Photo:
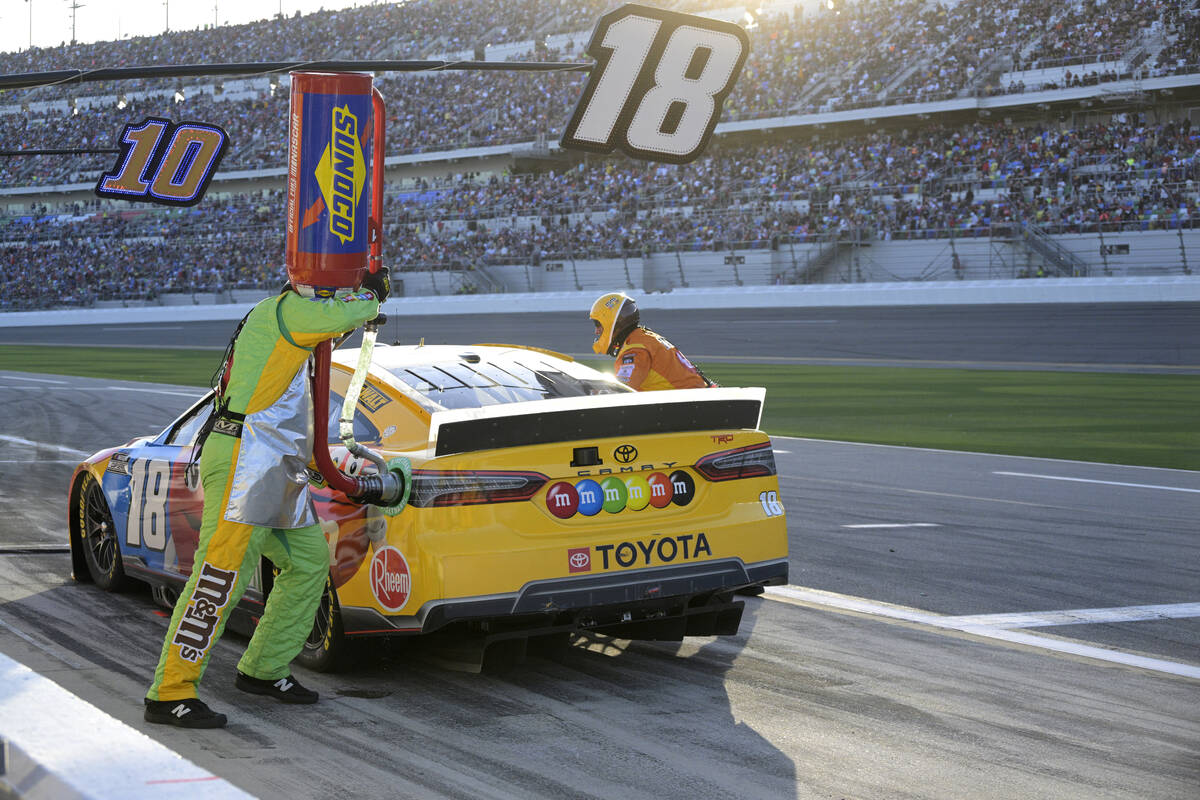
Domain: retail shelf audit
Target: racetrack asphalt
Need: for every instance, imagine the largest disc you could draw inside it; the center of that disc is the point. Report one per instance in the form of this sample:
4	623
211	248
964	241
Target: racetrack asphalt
837	694
1130	337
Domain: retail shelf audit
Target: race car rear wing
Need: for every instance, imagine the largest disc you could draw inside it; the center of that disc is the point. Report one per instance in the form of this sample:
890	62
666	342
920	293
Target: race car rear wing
600	416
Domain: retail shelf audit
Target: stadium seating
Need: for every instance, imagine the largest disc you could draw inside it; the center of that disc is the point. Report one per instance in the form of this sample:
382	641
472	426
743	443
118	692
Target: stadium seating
772	187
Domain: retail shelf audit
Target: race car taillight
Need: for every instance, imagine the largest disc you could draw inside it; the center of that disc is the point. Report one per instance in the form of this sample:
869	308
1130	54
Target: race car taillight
754	461
472	487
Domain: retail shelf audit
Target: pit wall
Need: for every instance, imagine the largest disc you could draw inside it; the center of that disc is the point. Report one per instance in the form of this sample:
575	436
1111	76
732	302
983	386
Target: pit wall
1152	289
859	264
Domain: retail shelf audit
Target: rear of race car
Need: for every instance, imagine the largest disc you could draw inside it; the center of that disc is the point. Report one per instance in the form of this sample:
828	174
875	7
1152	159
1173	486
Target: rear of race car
636	515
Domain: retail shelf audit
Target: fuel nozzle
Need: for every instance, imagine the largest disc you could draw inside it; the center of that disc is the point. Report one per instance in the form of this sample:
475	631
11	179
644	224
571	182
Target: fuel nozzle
382	489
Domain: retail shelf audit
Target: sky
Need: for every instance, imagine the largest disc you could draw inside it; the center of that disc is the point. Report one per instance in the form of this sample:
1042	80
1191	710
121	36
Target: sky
98	20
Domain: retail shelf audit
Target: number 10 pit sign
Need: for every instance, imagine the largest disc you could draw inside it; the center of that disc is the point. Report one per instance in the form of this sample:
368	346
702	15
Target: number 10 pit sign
164	163
660	80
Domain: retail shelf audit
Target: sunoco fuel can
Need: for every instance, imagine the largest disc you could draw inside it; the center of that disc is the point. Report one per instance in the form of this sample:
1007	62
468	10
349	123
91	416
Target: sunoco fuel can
328	203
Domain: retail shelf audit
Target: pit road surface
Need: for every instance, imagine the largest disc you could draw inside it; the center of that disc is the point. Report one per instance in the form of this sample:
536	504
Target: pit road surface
807	701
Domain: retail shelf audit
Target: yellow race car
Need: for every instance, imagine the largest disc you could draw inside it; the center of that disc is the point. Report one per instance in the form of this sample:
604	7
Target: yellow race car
546	499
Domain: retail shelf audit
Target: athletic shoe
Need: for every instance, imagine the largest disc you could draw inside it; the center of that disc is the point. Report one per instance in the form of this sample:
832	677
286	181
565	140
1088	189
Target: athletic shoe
285	690
189	713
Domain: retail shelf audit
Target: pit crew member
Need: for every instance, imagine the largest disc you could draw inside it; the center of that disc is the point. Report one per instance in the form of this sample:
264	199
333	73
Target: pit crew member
645	360
254	469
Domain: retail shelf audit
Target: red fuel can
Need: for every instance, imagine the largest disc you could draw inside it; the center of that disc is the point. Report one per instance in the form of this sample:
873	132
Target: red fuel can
334	158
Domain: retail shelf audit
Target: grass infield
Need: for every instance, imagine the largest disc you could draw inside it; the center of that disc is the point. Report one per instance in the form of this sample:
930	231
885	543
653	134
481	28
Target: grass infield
1120	418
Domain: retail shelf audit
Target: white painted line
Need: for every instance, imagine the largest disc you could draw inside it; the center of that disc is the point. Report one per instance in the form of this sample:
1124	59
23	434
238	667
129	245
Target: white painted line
941	451
39	716
1080	616
41	547
196	394
35	380
43	445
859	605
156	328
774	450
895	525
1106	483
40	461
1082	650
849	603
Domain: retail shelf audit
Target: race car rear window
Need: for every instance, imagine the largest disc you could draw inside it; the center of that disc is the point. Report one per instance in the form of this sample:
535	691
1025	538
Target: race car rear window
458	384
365	431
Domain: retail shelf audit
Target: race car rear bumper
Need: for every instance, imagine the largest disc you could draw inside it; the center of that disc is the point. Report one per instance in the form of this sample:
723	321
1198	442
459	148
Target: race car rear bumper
590	601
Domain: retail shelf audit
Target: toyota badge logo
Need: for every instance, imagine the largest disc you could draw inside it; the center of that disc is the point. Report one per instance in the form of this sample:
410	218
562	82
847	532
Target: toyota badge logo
579	559
626	453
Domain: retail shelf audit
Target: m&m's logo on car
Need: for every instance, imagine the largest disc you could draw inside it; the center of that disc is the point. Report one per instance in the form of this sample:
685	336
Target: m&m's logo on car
614	494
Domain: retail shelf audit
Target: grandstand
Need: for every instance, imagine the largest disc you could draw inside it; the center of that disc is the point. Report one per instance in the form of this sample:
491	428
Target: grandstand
867	140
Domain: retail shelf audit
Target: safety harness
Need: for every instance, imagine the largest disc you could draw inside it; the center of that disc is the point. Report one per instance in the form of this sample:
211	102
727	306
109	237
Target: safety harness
222	420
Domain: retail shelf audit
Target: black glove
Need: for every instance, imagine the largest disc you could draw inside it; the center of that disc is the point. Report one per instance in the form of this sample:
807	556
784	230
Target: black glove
379	283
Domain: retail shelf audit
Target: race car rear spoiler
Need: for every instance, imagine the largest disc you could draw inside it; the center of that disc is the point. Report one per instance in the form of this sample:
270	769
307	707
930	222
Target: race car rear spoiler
599	416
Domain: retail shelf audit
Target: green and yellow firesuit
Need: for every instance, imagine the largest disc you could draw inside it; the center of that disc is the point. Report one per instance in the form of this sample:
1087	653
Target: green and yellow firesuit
254	472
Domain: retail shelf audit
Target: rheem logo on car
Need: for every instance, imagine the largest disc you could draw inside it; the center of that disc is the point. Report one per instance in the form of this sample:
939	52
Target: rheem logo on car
391	581
614	494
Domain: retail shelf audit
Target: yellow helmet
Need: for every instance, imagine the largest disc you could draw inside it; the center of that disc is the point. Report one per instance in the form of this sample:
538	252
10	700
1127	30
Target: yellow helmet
614	316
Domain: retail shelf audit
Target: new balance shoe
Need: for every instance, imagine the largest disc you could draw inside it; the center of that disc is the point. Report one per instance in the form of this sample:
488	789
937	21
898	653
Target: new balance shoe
285	690
190	713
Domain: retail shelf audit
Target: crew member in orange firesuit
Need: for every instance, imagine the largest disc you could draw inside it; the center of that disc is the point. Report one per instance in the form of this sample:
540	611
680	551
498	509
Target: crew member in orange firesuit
645	360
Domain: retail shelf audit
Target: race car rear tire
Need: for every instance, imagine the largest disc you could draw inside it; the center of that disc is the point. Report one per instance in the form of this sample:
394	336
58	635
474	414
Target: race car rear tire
98	537
326	649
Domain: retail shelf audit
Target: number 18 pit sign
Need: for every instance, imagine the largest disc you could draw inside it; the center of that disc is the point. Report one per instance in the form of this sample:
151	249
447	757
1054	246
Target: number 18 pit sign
659	82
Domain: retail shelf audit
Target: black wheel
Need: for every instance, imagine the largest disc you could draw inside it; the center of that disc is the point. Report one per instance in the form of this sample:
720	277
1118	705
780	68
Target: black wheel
98	538
326	648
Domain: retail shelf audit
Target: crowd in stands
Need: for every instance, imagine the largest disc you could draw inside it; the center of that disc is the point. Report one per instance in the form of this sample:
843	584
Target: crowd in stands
861	53
80	253
936	181
1184	52
1102	27
382	30
437	111
978	179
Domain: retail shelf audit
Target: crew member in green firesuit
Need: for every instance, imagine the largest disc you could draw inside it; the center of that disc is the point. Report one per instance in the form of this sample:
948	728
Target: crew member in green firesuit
253	468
